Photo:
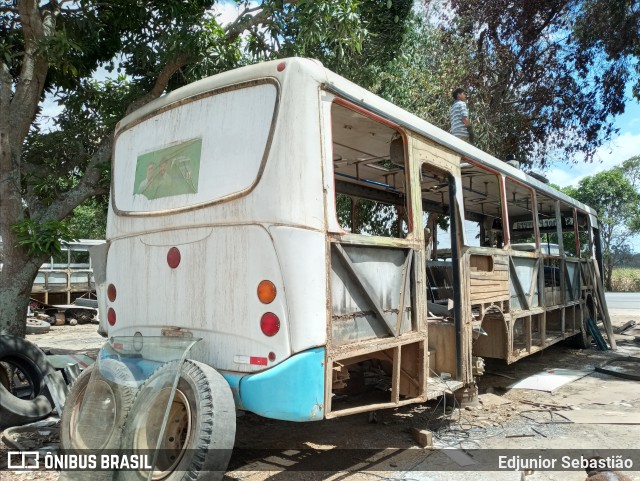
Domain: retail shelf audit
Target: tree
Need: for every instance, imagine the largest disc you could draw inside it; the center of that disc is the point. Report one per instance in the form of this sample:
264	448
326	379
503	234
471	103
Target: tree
631	170
618	205
53	48
546	77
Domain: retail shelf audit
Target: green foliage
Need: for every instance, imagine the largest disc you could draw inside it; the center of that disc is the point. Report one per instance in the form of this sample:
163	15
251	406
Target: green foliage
631	170
428	66
42	238
545	78
613	196
56	159
371	217
89	219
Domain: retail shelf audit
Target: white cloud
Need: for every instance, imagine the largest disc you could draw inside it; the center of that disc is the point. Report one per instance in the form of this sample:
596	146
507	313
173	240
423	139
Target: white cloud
227	12
617	151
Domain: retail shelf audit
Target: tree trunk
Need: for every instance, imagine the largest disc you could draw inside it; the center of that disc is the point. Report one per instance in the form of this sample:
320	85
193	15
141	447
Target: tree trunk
608	275
16	280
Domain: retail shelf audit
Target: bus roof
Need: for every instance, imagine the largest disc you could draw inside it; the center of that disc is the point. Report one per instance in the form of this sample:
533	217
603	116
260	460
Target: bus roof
348	90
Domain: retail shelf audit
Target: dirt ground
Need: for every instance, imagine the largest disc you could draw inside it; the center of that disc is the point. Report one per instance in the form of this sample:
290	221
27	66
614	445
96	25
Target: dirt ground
374	447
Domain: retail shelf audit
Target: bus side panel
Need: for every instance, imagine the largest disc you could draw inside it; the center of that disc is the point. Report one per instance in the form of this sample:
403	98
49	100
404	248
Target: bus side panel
302	257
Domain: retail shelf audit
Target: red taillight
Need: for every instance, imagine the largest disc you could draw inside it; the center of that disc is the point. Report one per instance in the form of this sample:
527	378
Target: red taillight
111	316
272	356
270	324
281	66
111	292
173	257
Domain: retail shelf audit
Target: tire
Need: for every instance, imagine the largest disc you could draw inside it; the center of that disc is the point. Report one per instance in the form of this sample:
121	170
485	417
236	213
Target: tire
200	433
6	376
23	403
36	326
83	316
113	392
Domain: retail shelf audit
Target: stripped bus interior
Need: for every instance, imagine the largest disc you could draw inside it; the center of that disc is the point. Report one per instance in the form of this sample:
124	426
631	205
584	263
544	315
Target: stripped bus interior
519	278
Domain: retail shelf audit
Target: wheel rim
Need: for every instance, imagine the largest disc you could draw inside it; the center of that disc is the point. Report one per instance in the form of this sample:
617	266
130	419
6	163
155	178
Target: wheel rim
175	436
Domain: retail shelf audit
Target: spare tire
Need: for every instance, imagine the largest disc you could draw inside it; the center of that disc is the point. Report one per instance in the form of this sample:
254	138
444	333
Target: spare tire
23	402
37	326
97	424
200	432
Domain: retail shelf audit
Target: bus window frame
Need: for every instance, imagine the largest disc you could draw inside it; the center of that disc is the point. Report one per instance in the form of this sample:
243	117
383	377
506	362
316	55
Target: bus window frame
179	103
407	174
588	228
506	233
534	210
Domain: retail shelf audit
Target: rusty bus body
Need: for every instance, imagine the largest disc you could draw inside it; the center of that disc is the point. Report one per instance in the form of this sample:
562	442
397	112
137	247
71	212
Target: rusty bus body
337	205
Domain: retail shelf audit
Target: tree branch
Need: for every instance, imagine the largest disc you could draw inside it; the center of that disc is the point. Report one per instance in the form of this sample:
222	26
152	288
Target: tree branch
246	21
161	82
30	83
88	186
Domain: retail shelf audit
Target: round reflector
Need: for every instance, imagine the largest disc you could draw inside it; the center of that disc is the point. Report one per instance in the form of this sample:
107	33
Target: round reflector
111	292
111	316
281	66
266	292
270	324
173	257
272	356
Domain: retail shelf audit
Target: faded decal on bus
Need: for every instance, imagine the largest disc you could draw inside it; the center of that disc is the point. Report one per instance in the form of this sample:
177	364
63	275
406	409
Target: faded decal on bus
170	171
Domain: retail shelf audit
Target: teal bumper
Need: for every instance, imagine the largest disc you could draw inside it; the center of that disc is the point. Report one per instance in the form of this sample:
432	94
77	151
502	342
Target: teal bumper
292	391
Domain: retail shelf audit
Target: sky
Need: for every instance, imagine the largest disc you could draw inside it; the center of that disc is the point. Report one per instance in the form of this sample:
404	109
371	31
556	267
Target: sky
623	146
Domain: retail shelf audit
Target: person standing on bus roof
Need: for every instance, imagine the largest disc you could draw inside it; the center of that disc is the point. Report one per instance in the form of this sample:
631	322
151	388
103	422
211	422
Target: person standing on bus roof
459	116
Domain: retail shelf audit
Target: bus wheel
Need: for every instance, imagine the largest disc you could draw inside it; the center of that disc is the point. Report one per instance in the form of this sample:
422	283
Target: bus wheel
112	395
200	431
24	368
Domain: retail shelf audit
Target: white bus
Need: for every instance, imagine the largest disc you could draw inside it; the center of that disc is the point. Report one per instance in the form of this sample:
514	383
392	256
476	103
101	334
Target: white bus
277	223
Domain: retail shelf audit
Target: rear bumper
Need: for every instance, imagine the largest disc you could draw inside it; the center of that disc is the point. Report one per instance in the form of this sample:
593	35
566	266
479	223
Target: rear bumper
292	391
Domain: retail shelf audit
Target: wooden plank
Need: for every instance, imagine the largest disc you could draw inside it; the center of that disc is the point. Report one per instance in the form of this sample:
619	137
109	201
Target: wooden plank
404	288
479	279
493	291
489	283
344	351
490	295
484	274
603	302
364	286
395	377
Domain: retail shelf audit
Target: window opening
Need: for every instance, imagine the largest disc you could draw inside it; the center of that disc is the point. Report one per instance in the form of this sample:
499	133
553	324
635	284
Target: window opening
370	175
520	209
482	207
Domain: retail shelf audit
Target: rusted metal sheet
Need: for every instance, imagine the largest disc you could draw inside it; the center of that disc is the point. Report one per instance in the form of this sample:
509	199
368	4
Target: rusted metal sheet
367	286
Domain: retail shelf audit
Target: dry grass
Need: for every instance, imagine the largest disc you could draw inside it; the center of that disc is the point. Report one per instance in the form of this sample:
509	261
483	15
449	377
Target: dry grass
626	279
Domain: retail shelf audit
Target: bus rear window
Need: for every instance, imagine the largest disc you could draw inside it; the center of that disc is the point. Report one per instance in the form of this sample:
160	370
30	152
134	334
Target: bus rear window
196	152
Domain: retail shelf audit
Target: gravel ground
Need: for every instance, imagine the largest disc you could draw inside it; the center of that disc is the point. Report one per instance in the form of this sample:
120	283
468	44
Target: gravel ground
509	418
